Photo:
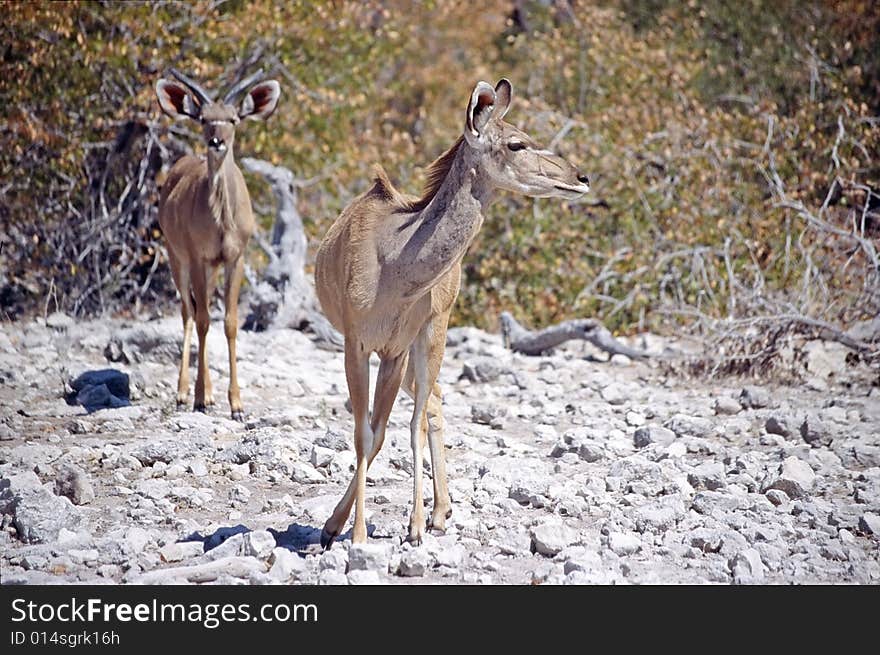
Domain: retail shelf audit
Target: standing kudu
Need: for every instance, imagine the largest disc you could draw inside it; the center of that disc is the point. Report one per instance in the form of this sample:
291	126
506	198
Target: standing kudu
388	273
206	217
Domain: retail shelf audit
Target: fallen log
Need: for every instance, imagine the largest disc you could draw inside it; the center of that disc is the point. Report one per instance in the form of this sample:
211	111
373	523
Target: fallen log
528	342
236	566
285	297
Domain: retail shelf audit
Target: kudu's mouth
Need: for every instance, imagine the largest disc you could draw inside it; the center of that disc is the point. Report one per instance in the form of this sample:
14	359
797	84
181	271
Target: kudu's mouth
216	145
575	191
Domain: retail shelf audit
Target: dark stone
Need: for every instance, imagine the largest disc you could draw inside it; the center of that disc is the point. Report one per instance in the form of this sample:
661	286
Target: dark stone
99	397
116	381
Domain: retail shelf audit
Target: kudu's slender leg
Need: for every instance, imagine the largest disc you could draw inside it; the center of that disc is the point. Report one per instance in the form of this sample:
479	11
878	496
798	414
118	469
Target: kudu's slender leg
442	503
202	286
419	360
387	386
432	424
187	310
357	374
233	275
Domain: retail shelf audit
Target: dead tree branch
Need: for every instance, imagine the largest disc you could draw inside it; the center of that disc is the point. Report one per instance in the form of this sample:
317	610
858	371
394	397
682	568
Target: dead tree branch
527	342
286	297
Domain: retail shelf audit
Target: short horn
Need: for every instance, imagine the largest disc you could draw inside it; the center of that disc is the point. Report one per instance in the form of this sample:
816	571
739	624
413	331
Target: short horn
241	86
204	97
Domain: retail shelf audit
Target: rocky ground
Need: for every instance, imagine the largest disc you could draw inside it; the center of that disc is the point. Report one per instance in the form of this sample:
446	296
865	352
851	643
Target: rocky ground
562	469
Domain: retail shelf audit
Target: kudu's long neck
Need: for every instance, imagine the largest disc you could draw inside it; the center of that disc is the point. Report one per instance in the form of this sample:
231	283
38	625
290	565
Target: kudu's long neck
220	183
443	231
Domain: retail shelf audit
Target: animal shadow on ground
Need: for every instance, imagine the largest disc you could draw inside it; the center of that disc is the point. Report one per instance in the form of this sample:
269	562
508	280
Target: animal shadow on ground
300	539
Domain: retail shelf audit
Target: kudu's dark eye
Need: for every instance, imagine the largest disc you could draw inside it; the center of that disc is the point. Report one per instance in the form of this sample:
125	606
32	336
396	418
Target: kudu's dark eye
516	145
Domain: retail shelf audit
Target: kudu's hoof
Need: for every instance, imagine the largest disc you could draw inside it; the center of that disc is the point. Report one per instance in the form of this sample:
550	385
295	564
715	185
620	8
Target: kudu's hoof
327	539
238	415
200	407
181	405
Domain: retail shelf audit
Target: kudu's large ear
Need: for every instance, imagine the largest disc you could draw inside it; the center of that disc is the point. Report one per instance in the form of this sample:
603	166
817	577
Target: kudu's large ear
260	101
176	100
479	111
503	94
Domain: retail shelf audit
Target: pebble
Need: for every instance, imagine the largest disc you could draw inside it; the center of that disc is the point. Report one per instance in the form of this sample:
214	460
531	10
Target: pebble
645	436
368	557
414	563
550	537
178	551
287	566
726	406
794	477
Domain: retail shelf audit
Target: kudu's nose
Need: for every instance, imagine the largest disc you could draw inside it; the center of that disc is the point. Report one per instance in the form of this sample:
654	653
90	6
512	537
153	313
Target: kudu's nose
215	143
584	179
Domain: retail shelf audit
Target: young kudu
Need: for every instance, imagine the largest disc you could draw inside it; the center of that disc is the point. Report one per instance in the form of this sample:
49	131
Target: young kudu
387	275
205	215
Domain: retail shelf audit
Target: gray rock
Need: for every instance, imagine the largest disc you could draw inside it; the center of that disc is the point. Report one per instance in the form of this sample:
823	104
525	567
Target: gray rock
780	424
133	345
777	497
815	432
198	467
614	394
857	456
450	556
659	515
364	577
39	515
725	405
368	557
335	559
223	535
321	457
286	565
259	544
622	543
710	503
482	369
488	413
706	540
754	398
136	539
333	440
231	547
414	563
168	450
181	550
590	452
551	537
869	523
649	434
747	567
331	577
14	486
689	426
795	477
239	494
709	475
305	473
72	482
